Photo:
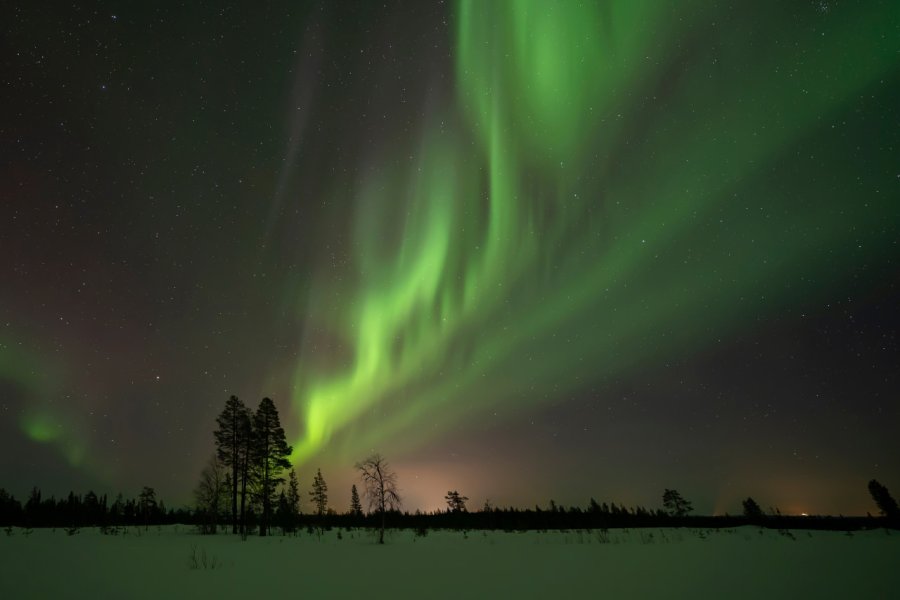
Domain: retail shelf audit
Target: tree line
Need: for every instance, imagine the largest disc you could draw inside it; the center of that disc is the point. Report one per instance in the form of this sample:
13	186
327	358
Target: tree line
249	486
89	510
143	511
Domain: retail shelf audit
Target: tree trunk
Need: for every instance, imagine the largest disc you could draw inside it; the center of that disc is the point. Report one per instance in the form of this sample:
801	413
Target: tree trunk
265	520
244	468
234	471
381	536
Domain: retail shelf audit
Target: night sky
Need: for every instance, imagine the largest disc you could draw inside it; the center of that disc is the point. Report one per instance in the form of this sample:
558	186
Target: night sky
527	250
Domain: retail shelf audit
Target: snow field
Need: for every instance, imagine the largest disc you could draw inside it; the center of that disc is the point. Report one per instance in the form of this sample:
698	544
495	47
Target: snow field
175	562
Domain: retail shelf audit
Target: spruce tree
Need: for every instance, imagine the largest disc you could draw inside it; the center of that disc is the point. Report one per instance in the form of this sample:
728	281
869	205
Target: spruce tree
270	453
319	493
293	498
355	506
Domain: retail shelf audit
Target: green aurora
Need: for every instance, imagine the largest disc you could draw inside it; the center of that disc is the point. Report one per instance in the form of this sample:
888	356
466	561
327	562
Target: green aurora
616	183
655	243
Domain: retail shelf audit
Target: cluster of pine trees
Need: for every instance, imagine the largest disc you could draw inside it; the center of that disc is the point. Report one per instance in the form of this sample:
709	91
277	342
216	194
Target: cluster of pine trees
245	473
243	481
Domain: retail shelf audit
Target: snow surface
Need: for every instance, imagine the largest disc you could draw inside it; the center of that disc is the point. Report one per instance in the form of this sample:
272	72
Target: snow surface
745	562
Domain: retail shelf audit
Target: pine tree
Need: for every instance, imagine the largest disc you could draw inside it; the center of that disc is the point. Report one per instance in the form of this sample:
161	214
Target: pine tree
355	506
319	493
246	462
456	502
232	442
270	452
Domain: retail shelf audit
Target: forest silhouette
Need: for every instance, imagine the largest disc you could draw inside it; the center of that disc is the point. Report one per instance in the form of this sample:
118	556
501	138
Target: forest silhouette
248	487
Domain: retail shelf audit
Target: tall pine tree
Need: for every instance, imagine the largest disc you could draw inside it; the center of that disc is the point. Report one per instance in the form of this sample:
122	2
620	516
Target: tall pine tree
270	452
232	444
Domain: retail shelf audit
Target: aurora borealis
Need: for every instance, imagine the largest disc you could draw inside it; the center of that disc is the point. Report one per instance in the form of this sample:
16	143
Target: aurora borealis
526	249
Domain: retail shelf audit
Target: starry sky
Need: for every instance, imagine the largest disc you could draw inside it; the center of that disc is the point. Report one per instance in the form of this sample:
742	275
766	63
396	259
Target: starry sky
527	250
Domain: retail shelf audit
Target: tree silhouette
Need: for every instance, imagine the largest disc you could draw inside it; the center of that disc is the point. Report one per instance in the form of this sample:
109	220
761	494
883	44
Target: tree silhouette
319	494
33	507
456	502
752	510
147	504
270	451
210	493
232	440
10	508
245	459
675	504
381	487
293	498
355	506
883	499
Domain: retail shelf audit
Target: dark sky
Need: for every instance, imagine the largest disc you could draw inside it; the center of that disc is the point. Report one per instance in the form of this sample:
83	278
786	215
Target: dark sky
527	250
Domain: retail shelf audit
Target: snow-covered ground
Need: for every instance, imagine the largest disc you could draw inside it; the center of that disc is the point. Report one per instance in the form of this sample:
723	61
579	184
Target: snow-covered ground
168	562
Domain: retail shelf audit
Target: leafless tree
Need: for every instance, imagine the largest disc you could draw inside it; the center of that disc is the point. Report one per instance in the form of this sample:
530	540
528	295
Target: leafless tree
381	487
211	493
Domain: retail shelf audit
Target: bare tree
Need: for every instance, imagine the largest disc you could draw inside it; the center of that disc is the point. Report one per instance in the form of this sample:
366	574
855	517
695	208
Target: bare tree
381	487
211	494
